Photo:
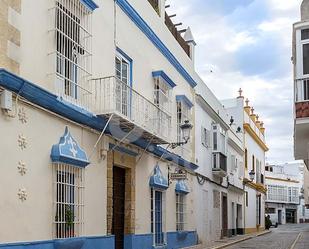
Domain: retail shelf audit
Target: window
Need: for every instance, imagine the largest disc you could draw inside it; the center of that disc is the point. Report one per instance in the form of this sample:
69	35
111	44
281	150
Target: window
68	201
305	34
205	137
180	212
218	139
246	158
157	217
123	93
247	199
183	114
306	58
233	163
270	210
253	163
73	43
162	94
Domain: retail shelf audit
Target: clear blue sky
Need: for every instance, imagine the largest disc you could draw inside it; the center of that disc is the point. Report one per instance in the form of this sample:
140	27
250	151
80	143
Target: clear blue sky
247	44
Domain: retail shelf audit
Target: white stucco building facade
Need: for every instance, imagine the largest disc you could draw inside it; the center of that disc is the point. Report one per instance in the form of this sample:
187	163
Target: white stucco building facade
251	130
285	200
91	91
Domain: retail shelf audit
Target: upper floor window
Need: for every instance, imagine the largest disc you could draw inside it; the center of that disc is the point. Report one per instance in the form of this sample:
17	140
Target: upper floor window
122	68
161	94
219	139
183	114
72	48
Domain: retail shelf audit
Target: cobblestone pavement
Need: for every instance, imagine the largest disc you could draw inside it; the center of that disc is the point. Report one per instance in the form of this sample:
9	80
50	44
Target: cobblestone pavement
284	237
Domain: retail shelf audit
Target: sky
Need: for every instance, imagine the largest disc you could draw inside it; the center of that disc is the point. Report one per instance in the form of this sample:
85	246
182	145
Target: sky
247	44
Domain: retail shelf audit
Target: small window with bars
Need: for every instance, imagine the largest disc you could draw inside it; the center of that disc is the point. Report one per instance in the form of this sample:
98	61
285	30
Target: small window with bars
180	212
72	49
68	201
158	217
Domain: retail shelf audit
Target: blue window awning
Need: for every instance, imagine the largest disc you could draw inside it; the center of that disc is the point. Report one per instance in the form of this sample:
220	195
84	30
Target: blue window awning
181	187
164	76
184	99
68	151
90	4
157	180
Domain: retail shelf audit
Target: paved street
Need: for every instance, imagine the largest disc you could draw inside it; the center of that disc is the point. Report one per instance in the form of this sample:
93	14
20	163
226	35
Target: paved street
283	237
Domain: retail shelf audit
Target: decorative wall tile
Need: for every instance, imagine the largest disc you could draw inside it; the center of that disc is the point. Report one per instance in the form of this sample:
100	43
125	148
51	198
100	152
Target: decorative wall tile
22	141
22	168
22	194
22	115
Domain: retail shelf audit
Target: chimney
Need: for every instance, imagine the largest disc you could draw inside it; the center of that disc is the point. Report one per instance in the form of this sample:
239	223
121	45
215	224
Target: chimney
188	37
304	10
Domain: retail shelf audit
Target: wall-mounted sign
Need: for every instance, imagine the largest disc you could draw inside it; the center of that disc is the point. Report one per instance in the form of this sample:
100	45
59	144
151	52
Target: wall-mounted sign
178	175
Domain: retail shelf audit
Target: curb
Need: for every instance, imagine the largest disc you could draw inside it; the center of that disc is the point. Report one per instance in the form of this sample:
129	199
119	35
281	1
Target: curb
240	240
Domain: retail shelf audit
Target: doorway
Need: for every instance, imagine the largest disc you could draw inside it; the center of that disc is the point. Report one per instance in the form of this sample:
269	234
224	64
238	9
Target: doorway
224	230
280	217
290	215
239	227
119	176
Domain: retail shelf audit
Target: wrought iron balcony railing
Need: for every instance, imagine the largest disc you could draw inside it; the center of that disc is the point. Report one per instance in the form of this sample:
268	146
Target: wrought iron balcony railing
130	109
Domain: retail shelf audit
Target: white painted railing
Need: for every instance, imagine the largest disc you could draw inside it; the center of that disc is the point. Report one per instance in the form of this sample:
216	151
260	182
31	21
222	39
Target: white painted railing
302	90
110	95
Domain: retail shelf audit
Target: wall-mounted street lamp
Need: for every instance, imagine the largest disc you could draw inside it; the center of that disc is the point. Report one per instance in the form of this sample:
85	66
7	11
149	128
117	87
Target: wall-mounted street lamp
185	128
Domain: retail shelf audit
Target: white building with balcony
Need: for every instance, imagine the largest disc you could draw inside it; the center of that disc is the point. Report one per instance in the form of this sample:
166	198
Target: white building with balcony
93	98
301	87
301	90
284	199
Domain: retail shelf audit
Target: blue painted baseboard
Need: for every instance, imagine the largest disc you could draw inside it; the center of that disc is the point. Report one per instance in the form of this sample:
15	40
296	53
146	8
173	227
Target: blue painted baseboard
99	242
175	240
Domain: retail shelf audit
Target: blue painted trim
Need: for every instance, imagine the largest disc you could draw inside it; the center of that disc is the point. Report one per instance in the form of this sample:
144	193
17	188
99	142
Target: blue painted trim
68	151
184	99
123	150
144	27
164	76
181	187
157	180
94	242
175	240
90	4
51	102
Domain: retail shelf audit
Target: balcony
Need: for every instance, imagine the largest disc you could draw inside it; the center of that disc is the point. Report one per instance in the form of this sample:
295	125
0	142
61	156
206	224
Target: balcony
219	166
131	111
302	98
